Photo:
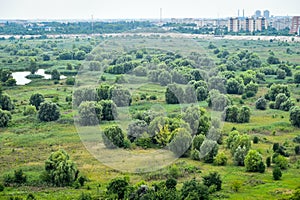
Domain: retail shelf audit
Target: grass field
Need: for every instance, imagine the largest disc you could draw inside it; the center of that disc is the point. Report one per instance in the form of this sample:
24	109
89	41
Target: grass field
26	143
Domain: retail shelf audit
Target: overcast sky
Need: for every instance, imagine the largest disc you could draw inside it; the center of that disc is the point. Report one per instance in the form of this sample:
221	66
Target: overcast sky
115	9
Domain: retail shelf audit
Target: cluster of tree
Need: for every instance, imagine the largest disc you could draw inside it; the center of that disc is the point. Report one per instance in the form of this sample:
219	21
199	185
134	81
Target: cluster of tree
6	78
120	188
280	97
12	28
47	111
237	115
6	105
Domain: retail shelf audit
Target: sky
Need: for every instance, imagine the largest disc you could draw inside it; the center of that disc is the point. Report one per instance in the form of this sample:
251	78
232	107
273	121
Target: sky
141	9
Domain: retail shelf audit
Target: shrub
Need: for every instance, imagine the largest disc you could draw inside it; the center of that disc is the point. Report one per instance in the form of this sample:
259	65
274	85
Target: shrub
253	161
70	81
85	196
29	110
60	170
281	162
220	159
297	77
118	186
277	173
19	177
5	118
255	140
113	137
136	129
295	116
171	183
173	94
213	178
1	187
193	189
55	75
6	103
181	142
90	113
261	104
48	112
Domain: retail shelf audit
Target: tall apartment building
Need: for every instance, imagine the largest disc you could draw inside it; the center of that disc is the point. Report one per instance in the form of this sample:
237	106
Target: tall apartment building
234	25
266	14
247	24
295	27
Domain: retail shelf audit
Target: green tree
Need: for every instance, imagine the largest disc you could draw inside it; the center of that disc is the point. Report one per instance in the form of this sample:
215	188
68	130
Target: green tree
6	103
33	66
173	94
213	178
48	112
36	100
164	78
220	159
113	137
239	156
181	141
194	190
109	110
120	96
103	92
297	77
5	118
79	55
60	169
208	150
118	186
281	162
231	113
90	113
281	74
55	75
277	173
261	103
136	129
253	161
233	86
277	89
295	116
244	115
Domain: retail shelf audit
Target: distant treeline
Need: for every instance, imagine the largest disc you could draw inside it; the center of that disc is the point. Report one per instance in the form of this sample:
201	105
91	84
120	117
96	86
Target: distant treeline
13	28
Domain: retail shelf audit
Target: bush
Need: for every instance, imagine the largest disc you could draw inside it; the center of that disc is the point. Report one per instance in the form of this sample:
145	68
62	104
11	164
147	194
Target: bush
295	116
181	142
253	161
48	112
36	100
136	129
6	103
60	170
261	104
193	189
5	118
55	75
70	81
268	161
1	187
118	186
173	94
29	110
277	173
297	77
19	177
213	178
109	110
281	162
220	159
113	137
85	196
255	140
171	184
90	113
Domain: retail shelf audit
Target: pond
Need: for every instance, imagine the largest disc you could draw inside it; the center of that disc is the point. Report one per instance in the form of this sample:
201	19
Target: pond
21	79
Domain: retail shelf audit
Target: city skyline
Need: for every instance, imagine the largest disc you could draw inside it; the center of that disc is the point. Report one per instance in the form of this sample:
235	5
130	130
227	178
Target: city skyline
134	9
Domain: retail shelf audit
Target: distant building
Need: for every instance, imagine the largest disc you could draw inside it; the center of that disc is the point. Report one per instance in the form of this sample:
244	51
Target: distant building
260	24
266	14
295	27
280	23
257	14
234	25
